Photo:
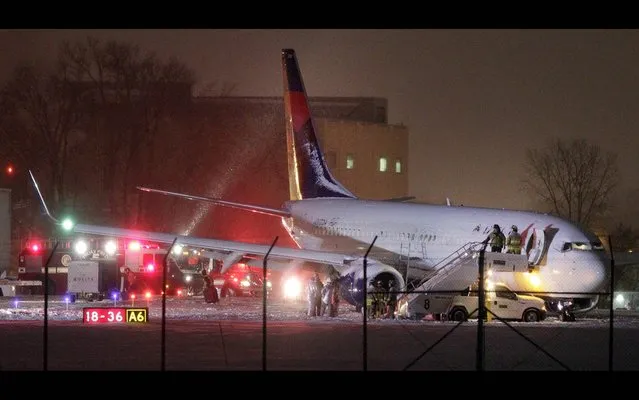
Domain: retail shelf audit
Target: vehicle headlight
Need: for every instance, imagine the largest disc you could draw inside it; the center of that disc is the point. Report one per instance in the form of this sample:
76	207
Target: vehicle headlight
188	278
268	284
245	283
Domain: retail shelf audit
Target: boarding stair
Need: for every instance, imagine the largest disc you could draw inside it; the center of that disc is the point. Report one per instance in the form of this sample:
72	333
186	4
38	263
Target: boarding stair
434	291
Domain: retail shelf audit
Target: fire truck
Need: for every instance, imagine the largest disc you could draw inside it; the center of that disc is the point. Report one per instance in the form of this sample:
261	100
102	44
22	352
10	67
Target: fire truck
95	268
62	258
142	271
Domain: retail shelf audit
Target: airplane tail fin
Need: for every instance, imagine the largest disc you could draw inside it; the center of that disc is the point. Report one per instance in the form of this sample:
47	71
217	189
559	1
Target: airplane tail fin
308	175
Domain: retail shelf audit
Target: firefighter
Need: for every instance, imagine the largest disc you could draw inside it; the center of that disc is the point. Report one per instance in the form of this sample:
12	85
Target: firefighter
334	304
513	243
497	239
327	294
210	292
314	295
391	302
369	303
379	299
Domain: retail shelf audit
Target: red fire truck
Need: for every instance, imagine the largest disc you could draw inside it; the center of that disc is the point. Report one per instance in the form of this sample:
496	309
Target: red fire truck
131	267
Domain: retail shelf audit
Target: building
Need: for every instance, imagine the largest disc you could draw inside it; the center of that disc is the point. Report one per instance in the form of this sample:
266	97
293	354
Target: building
370	159
364	152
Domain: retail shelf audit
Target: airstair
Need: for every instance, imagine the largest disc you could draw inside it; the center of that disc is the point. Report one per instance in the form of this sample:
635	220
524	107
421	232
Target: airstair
433	293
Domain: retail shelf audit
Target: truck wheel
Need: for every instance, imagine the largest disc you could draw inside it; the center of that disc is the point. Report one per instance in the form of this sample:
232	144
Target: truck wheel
531	316
458	314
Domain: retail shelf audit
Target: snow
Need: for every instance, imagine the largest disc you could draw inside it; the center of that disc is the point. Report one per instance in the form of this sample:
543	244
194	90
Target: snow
243	308
193	307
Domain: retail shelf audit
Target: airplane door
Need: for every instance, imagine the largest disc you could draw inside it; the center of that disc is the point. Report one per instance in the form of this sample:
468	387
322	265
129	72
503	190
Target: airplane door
535	246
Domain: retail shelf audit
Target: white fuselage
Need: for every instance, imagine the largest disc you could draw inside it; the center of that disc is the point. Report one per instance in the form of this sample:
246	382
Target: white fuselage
422	235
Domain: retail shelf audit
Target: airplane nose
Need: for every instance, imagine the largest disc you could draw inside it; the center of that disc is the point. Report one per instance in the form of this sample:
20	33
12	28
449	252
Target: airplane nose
593	271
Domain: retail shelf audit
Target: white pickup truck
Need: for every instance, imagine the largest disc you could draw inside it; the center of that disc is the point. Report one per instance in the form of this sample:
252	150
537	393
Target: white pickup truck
501	301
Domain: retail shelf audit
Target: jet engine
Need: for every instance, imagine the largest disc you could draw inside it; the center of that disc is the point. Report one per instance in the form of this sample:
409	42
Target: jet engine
352	281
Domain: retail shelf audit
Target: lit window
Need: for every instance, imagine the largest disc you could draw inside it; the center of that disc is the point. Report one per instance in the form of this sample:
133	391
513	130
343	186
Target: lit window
382	164
398	166
350	161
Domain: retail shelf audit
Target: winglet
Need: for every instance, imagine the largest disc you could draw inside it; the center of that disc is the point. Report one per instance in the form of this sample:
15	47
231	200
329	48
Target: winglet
42	202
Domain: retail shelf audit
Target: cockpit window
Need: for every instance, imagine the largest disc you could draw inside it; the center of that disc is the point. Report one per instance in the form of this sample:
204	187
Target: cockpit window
583	246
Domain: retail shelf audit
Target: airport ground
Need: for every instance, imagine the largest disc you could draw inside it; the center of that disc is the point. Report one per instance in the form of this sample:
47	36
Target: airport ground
229	336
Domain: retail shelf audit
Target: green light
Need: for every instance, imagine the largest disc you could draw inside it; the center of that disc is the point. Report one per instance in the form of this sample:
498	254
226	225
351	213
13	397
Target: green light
67	224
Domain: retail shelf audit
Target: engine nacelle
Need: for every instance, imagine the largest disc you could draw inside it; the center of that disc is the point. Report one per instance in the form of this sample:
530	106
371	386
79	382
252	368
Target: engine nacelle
352	281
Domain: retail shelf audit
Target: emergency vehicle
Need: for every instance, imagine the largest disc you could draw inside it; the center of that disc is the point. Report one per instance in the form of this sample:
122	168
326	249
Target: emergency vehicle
500	300
142	272
58	255
184	276
95	268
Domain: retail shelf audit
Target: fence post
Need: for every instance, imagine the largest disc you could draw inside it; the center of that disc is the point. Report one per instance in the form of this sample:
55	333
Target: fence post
163	341
612	308
365	308
264	290
479	361
45	331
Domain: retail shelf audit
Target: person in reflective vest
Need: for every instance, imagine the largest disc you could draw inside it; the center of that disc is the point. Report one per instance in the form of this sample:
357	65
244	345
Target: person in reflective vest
513	243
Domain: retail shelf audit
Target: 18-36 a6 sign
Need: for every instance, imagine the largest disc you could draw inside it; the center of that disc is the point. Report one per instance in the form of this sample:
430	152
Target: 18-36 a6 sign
114	315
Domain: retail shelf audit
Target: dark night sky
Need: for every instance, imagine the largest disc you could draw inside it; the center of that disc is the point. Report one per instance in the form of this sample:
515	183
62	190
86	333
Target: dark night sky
474	100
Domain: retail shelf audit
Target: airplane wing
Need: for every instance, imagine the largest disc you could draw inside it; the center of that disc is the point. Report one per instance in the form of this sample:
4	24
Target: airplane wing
228	251
242	206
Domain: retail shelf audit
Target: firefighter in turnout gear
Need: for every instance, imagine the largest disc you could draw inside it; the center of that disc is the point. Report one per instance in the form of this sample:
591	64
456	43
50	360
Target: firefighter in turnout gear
497	239
210	292
314	296
379	300
513	243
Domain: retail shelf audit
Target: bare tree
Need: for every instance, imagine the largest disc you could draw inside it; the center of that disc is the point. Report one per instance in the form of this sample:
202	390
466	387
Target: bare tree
133	93
574	179
40	113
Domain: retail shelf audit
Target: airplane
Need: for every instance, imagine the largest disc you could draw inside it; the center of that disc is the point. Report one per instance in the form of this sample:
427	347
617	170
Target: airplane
333	227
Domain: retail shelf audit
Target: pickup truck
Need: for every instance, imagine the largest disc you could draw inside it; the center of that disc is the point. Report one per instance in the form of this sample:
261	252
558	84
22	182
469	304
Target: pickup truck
502	301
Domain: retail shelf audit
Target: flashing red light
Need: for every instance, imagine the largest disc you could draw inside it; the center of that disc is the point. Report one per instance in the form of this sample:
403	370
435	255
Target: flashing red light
134	245
132	295
35	248
179	292
9	170
147	295
150	268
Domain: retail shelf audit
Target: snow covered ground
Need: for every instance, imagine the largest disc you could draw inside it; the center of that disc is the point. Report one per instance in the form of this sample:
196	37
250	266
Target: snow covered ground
235	308
229	336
